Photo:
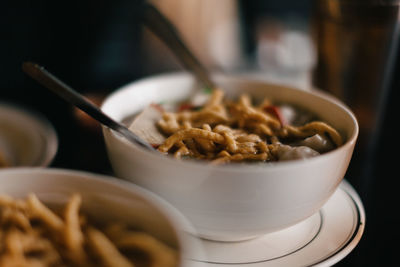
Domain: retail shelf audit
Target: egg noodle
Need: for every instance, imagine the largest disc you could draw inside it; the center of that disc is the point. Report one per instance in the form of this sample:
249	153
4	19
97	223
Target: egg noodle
227	131
33	235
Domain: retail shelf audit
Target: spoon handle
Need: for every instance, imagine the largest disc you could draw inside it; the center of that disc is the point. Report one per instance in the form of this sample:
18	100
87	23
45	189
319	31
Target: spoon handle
41	75
165	30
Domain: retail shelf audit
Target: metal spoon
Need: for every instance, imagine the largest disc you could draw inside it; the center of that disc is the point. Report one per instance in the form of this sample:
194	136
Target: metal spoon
166	31
51	82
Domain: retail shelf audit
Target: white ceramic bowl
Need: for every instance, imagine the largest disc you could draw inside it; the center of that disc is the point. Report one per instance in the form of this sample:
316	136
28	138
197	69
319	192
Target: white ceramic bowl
232	202
106	199
26	138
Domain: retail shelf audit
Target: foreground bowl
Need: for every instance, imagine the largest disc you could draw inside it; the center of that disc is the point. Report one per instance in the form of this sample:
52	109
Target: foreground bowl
232	202
106	199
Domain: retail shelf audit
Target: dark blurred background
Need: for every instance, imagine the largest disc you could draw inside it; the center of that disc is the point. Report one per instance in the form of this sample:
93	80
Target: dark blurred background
98	46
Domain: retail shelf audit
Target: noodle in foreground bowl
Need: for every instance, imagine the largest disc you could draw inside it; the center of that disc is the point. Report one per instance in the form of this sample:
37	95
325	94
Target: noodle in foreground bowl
54	217
224	199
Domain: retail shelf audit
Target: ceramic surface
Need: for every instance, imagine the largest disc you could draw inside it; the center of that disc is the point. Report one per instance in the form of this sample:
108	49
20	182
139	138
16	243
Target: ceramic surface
322	240
26	138
106	199
236	201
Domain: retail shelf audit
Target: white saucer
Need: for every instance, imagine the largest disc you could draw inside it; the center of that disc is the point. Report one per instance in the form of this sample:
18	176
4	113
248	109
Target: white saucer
321	240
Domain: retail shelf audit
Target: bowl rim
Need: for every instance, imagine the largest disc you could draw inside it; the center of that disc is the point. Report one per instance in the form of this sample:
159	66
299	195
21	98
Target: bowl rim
50	135
242	168
178	222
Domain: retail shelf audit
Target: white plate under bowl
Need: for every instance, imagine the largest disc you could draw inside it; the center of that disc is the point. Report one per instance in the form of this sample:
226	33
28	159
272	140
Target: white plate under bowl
26	138
321	240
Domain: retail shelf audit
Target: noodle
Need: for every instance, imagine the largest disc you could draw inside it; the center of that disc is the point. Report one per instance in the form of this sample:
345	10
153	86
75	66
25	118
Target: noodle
31	234
233	132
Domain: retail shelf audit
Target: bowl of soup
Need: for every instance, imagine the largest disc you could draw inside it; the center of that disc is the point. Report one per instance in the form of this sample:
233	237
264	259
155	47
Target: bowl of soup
59	217
241	160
